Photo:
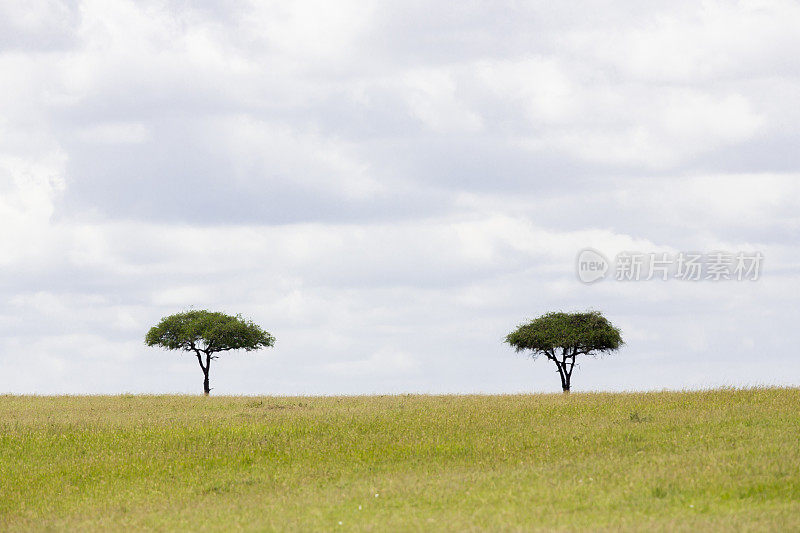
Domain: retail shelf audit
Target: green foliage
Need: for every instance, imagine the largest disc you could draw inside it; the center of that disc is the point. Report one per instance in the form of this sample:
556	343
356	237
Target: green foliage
208	332
723	460
571	333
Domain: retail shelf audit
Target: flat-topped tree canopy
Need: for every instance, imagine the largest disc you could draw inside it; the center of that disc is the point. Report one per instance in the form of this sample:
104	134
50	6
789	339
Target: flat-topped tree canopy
561	337
206	330
206	333
583	332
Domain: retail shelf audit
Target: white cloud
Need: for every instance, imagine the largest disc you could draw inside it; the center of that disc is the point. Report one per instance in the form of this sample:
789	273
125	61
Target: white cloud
389	189
381	363
310	29
29	189
432	97
699	42
39	24
307	159
539	85
114	133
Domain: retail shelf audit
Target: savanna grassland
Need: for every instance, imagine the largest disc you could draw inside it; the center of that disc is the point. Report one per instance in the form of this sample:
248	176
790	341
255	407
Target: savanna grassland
711	460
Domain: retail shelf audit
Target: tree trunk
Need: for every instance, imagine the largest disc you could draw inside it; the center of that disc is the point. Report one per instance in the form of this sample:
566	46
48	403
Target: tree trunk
563	376
564	372
206	368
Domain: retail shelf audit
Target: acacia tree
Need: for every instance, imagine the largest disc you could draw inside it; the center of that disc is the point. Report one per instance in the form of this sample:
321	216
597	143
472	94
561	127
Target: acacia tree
562	337
205	334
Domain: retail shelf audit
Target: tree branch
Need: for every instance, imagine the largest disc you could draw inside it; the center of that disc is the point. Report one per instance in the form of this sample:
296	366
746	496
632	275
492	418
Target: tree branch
561	373
199	357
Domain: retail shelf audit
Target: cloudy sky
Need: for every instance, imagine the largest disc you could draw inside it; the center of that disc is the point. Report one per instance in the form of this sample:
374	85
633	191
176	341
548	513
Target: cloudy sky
390	187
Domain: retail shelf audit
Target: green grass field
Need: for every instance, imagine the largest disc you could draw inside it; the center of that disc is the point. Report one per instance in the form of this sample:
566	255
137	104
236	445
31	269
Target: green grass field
720	460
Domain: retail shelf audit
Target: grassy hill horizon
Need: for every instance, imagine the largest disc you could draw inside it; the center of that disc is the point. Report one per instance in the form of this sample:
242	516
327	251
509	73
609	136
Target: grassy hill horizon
723	459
